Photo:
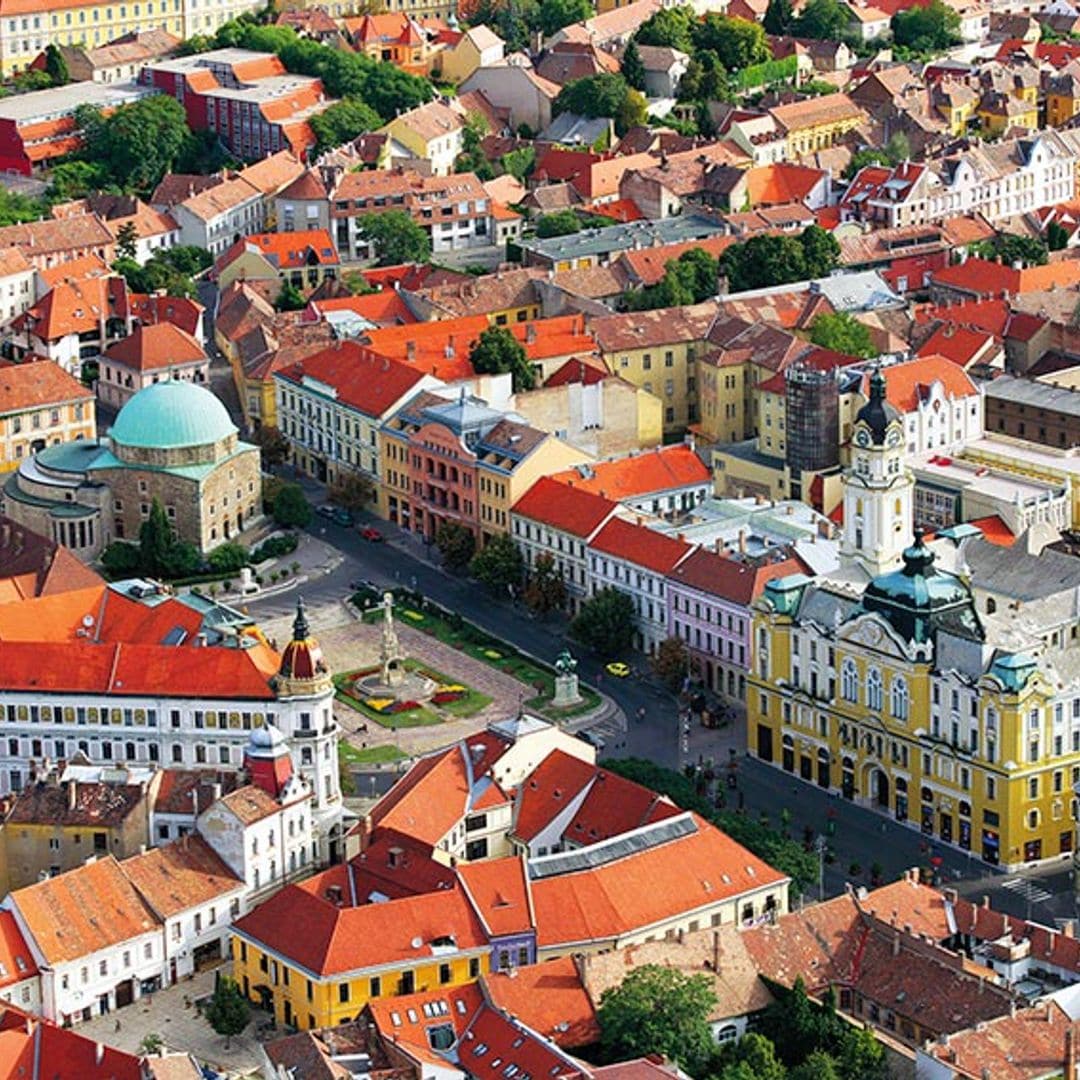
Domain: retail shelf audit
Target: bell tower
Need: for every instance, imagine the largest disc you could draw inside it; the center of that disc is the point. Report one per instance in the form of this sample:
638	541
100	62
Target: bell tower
877	486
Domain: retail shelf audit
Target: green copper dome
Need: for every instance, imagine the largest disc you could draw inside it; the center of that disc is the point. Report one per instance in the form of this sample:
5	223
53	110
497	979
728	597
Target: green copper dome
918	599
172	414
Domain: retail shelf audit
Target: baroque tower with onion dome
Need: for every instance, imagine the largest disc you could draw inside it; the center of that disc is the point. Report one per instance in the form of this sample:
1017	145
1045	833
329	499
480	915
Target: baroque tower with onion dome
303	683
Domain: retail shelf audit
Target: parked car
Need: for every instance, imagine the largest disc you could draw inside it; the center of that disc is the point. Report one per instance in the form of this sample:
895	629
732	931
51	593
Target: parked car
592	739
326	510
618	669
369	532
342	516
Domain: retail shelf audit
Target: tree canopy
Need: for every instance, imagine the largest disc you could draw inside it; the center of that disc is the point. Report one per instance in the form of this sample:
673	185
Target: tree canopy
497	351
1012	248
343	122
545	590
659	1010
605	94
843	333
689	279
171	269
291	508
633	68
499	564
825	20
456	545
925	30
767	260
228	1011
605	622
558	223
395	238
555	14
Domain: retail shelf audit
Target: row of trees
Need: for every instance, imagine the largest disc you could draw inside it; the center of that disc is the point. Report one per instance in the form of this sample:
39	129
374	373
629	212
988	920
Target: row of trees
915	31
763	261
662	1010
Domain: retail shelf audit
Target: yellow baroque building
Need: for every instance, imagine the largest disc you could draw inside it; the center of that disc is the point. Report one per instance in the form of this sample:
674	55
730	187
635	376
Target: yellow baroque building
919	691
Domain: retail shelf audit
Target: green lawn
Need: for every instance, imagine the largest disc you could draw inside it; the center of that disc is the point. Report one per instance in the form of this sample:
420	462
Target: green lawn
472	641
418	717
370	755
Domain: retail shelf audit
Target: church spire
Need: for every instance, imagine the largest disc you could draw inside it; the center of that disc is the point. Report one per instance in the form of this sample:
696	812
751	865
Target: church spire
300	629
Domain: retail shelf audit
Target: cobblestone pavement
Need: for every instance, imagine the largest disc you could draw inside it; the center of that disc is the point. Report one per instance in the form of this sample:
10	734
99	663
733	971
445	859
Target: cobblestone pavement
171	1013
348	644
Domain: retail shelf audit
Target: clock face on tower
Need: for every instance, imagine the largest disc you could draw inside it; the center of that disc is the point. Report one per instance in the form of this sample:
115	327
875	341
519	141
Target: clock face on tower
862	437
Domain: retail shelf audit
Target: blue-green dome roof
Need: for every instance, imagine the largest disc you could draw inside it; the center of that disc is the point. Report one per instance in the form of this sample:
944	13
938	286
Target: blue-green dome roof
918	599
172	414
1012	670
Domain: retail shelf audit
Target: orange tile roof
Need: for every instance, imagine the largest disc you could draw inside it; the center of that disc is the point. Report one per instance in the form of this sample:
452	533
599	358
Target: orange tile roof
16	960
76	307
274	172
250	804
404	1020
957	344
35	1048
84	910
425	346
346	939
550	999
666	468
648	887
984	278
737	580
180	875
995	530
125	669
38	385
574	511
384	308
774	185
494	1042
157	346
640	545
648	265
990	315
284	250
907	384
72	269
498	890
549	789
364	381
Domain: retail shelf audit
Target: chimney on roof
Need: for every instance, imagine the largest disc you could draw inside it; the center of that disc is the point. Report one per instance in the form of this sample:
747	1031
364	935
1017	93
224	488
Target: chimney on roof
410	351
530	334
99	1053
72	794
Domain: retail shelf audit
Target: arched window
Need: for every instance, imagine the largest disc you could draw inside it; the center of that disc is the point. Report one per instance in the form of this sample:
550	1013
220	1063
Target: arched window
899	694
849	680
873	689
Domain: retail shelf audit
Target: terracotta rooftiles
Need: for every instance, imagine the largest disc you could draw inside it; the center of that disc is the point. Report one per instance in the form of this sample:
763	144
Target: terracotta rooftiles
35	1048
180	875
640	545
550	999
16	960
37	385
739	580
104	805
156	346
575	511
907	383
665	468
498	890
250	804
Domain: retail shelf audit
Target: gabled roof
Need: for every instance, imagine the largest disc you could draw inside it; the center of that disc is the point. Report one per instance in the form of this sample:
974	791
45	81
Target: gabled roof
83	911
364	381
36	1049
250	803
640	545
37	385
958	344
773	185
498	890
181	875
16	960
570	510
157	346
908	384
32	565
663	469
285	250
739	580
549	998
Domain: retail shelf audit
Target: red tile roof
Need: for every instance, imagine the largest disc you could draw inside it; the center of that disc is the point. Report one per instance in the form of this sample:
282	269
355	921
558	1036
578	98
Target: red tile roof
908	383
958	344
550	999
384	308
180	875
648	887
577	370
984	278
494	1041
738	580
285	250
499	892
666	468
364	381
344	939
404	1020
157	346
775	185
16	961
37	1049
37	385
995	530
640	545
549	789
570	510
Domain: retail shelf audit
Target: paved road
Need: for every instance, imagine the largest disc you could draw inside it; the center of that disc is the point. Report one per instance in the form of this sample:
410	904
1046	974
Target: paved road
861	835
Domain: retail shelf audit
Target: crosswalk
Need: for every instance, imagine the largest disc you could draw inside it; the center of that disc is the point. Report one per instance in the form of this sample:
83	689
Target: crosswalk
1026	888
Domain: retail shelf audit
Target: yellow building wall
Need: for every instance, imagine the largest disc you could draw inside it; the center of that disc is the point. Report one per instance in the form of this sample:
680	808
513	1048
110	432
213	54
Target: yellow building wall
509	316
18	434
818	137
1060	108
326	1002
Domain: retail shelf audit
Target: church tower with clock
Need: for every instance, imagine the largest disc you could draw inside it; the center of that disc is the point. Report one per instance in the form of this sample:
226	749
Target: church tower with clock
877	486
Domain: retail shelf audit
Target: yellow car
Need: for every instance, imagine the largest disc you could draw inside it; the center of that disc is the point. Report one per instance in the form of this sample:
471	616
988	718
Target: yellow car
618	669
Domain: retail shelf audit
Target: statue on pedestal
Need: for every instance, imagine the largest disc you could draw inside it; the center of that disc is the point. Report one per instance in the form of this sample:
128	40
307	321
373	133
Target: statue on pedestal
393	663
566	681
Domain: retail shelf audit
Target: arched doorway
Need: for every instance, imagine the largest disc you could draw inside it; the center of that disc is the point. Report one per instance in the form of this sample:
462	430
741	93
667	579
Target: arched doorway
879	788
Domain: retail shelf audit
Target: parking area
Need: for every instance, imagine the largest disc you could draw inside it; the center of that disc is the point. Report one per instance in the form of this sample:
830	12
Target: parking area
173	1015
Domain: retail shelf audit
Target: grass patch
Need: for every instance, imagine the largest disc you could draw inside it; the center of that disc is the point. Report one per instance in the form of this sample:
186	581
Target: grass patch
418	717
464	636
370	755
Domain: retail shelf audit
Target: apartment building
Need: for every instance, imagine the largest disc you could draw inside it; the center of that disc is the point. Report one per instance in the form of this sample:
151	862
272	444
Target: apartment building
41	405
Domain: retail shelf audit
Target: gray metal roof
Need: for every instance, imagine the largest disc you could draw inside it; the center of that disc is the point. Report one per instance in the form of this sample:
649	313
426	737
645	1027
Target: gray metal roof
618	847
1061	399
1014	572
618	238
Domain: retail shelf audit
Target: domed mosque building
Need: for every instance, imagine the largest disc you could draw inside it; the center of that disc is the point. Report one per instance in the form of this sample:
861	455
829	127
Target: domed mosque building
935	680
173	441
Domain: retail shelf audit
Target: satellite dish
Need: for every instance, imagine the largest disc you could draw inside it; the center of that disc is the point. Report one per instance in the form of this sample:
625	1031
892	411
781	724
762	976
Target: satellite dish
417	942
88	621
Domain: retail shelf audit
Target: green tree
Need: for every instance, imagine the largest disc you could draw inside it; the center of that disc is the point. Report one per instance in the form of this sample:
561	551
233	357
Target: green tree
16	208
545	591
156	541
861	1056
929	29
555	14
227	557
817	1066
670	27
824	20
671	662
821	251
456	545
752	1056
519	163
605	622
395	238
779	16
633	69
497	351
76	179
30	80
472	158
605	94
343	122
228	1011
152	1043
898	148
139	142
273	446
499	564
558	223
798	1027
763	261
843	333
659	1010
1012	248
1057	236
121	559
56	66
737	43
290	298
291	508
127	238
352	490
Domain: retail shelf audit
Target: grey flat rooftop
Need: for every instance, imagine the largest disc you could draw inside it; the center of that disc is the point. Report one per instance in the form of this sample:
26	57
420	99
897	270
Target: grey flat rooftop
1013	572
1060	399
216	57
61	101
635	234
